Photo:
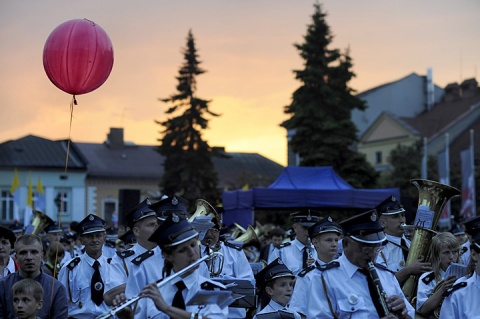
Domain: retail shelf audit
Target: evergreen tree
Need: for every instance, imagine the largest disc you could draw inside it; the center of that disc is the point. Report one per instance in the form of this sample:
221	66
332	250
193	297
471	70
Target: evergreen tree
324	133
188	167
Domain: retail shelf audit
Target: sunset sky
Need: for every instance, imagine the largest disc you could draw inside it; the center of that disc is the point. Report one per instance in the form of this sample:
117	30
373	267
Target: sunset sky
246	47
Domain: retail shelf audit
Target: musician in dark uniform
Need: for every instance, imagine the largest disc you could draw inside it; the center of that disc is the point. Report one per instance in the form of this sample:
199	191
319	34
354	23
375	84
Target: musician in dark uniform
178	241
340	289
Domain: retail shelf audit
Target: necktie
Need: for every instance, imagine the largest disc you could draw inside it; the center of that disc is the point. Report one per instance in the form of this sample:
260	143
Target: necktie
178	301
305	257
403	244
373	293
96	285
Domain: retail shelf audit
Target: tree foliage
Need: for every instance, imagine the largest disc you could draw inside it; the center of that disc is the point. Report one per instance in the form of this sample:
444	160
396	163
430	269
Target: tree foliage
321	108
188	167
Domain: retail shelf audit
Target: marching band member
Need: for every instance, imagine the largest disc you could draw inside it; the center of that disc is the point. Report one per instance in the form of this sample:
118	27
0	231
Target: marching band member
324	235
345	287
142	220
84	277
445	250
298	253
235	263
462	301
275	285
178	241
394	254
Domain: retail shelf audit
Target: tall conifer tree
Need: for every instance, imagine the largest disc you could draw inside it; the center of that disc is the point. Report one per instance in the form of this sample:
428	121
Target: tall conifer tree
324	134
188	167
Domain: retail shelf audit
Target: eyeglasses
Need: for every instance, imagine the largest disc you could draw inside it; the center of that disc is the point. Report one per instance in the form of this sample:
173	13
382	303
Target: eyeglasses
369	249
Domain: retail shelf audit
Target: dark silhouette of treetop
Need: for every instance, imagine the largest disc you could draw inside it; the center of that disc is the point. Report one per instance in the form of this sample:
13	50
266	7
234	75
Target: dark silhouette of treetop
189	171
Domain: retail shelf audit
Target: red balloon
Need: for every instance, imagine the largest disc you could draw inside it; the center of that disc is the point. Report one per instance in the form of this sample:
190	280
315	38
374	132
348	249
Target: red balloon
78	56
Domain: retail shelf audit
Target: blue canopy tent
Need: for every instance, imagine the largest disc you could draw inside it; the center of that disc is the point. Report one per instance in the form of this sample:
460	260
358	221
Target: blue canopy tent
300	188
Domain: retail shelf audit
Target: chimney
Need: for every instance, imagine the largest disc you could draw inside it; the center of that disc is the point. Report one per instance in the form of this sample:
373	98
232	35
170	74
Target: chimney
115	138
469	88
430	90
452	92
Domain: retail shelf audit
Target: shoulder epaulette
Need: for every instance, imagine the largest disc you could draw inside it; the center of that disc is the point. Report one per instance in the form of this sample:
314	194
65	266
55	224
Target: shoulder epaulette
73	263
428	278
288	243
330	265
306	270
125	253
450	290
208	285
238	246
141	258
382	267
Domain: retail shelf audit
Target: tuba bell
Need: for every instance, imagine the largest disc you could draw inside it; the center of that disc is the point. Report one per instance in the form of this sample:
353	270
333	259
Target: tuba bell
204	209
431	200
39	222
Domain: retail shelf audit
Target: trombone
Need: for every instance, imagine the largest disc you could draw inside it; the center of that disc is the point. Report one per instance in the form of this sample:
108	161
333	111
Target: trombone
161	282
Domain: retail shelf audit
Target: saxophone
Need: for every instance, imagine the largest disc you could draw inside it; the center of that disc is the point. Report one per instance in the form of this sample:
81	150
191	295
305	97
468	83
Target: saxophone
378	287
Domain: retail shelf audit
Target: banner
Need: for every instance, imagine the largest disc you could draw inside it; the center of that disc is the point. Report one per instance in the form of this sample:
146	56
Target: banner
40	195
444	178
27	218
15	192
468	186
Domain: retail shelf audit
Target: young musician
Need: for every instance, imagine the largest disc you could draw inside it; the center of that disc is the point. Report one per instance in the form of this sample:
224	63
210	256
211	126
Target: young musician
432	285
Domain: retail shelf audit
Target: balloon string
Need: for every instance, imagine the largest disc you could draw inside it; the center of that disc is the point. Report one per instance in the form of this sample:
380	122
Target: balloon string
72	102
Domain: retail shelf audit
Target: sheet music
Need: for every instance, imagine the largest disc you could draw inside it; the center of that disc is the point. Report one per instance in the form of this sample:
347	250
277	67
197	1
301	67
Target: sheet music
456	269
424	217
202	224
222	298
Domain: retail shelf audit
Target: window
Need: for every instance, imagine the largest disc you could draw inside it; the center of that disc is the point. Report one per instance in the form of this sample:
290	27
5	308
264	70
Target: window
378	157
63	201
6	206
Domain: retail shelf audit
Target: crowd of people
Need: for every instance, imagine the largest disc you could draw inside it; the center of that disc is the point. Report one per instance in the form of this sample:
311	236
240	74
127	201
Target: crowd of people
168	264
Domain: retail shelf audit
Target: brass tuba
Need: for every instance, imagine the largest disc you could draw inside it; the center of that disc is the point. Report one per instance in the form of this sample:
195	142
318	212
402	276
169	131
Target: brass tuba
39	222
204	209
431	200
249	239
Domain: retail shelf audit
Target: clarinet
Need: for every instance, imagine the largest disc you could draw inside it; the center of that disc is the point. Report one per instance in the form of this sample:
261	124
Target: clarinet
378	286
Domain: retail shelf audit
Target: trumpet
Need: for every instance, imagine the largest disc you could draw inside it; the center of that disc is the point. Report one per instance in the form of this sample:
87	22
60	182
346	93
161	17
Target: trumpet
160	283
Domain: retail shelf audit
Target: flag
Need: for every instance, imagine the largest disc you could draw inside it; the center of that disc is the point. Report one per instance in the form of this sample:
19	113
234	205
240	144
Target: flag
29	208
467	185
469	208
15	192
40	194
444	176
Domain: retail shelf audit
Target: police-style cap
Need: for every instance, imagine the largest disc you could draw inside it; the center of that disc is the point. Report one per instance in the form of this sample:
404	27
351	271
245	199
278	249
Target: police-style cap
91	224
390	206
128	237
169	205
139	212
364	228
53	228
275	269
472	225
8	234
457	230
16	228
324	225
306	217
174	231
